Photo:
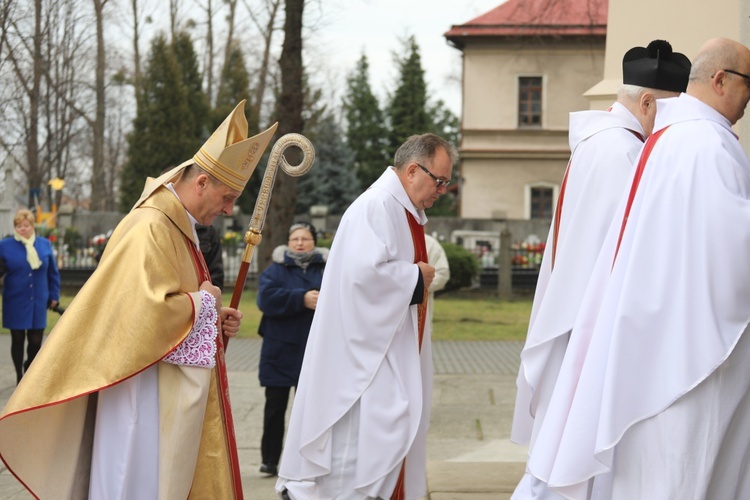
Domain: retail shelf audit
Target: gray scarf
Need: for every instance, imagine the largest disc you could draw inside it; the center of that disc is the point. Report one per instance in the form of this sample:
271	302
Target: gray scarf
301	259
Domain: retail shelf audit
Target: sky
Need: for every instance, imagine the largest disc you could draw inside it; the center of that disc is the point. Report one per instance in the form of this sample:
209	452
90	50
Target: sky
344	29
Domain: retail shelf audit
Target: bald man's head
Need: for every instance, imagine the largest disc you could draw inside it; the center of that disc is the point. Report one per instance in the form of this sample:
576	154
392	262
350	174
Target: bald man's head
720	77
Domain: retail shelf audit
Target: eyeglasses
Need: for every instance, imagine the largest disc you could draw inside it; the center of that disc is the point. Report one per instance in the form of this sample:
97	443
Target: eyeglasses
300	240
746	77
439	182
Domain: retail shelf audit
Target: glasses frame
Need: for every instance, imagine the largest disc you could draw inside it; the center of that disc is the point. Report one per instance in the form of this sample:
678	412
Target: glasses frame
743	75
439	182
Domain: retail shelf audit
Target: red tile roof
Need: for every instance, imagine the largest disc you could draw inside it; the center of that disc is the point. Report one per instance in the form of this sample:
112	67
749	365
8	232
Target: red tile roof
535	18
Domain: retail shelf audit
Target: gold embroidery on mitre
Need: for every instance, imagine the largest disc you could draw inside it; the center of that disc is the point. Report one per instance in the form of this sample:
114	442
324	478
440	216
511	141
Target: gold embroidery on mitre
250	160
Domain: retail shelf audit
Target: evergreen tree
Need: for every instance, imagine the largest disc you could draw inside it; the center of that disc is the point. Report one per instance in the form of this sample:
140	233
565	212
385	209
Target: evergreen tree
411	113
408	113
366	134
235	86
332	180
161	137
197	100
446	125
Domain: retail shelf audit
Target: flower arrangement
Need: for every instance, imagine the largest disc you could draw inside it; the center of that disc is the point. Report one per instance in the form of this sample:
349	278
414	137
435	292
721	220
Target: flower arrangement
46	232
232	238
98	243
527	254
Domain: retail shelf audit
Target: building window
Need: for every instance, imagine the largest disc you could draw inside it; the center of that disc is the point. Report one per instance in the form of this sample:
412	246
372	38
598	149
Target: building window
541	199
530	101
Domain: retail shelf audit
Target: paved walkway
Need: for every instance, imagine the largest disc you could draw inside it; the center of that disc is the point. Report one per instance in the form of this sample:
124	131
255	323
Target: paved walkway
469	454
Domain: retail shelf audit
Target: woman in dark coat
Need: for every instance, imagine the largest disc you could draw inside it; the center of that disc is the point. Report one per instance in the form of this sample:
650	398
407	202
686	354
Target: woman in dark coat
32	284
287	296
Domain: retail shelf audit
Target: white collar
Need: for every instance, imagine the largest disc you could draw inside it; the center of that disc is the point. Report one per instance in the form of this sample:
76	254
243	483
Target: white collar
193	221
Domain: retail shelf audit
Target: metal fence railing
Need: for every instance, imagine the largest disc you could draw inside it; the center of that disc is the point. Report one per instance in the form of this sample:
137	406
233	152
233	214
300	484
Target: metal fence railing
525	261
78	260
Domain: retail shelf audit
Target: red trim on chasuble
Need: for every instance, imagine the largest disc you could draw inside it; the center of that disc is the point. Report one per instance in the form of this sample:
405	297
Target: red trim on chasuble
558	212
420	255
222	381
650	143
561	196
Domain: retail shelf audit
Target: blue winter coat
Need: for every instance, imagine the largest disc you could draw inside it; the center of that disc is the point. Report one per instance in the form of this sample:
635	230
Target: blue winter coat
27	293
286	321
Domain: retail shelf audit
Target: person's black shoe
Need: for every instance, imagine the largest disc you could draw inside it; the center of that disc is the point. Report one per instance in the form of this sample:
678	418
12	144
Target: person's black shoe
269	469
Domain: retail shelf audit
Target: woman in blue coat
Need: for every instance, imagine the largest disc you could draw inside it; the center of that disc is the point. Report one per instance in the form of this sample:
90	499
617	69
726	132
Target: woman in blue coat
287	296
32	284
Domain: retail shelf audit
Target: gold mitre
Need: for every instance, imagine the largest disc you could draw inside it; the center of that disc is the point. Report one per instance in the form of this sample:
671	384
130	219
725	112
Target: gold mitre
228	155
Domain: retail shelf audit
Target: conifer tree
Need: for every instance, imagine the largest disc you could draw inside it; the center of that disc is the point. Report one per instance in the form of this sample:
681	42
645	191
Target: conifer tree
161	137
411	112
366	133
408	111
446	125
197	100
235	86
332	181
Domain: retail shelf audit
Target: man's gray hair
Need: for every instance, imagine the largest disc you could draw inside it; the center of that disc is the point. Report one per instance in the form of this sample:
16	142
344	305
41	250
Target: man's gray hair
419	148
633	92
630	92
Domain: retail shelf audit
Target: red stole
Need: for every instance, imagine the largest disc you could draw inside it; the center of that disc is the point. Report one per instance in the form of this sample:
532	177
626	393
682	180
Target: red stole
558	213
420	255
650	143
222	382
558	209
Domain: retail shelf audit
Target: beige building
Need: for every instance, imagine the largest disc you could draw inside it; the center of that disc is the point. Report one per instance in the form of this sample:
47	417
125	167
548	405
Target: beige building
686	24
528	63
526	66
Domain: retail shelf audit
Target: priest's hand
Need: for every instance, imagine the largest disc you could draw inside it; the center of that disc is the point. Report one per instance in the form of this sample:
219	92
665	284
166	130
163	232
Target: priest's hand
230	321
428	273
213	290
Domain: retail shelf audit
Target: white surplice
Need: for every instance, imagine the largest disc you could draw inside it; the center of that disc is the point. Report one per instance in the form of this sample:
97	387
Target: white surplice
656	394
363	368
604	146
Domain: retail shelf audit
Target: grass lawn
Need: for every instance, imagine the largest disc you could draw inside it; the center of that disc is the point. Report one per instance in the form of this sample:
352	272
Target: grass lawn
456	317
461	318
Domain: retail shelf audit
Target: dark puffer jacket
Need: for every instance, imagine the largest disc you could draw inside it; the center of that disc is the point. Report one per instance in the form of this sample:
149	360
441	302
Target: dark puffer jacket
286	321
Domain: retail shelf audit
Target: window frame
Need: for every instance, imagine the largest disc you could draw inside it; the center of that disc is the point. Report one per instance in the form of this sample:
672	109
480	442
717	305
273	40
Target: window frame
527	198
519	123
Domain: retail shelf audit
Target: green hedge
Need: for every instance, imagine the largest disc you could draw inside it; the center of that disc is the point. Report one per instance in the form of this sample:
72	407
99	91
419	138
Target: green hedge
464	266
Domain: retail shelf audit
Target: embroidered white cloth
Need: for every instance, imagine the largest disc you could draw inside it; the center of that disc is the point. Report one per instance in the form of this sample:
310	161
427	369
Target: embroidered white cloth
199	347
